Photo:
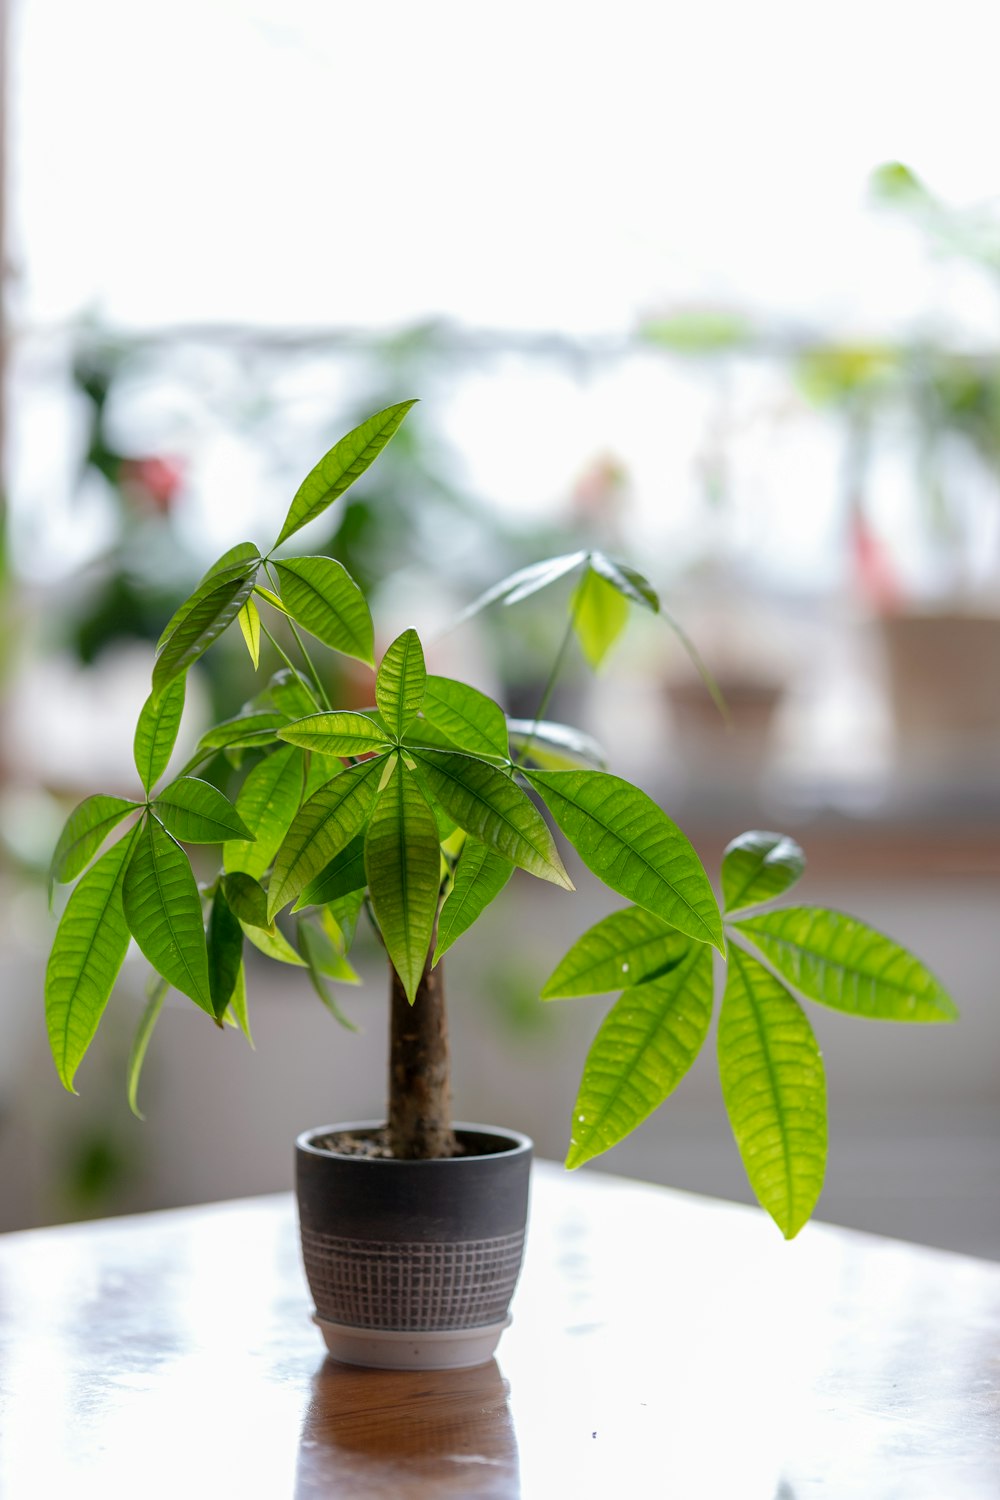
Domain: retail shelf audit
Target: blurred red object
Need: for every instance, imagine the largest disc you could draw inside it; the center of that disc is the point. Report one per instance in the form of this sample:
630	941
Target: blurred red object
154	482
872	568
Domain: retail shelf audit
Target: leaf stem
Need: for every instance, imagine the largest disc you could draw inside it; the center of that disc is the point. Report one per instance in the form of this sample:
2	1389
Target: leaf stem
282	653
549	687
302	647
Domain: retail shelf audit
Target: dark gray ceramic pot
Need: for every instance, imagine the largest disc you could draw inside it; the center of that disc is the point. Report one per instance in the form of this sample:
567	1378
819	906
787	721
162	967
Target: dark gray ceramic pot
412	1264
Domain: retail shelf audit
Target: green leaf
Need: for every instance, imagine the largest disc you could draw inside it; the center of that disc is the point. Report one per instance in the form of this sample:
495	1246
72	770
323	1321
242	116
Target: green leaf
291	695
339	468
399	687
756	867
599	613
272	599
251	731
249	623
525	582
311	941
225	952
843	963
238	1005
627	948
490	806
403	865
87	953
323	826
322	596
203	617
321	771
271	941
163	911
140	1044
423	735
343	733
646	1044
630	844
243	555
85	830
628	582
480	876
247	898
775	1091
196	812
556	747
344	911
156	733
324	950
470	719
267	802
345	873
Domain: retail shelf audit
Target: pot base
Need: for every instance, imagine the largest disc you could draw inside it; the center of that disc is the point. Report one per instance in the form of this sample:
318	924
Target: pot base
395	1349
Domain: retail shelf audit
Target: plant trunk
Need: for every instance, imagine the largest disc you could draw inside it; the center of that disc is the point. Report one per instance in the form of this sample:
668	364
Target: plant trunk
419	1069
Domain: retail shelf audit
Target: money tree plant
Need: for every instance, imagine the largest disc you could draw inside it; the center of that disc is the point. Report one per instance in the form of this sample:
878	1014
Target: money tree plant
415	812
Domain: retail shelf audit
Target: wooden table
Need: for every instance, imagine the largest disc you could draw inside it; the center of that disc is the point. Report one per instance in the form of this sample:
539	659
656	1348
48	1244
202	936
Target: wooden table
663	1345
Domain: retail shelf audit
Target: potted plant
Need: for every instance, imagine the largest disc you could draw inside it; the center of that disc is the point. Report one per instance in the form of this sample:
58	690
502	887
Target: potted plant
416	811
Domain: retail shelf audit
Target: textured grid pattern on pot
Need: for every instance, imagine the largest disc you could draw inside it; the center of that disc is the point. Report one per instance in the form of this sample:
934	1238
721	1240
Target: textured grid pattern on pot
411	1285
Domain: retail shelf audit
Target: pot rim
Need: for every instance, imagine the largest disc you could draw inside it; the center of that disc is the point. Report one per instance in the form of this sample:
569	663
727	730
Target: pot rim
520	1145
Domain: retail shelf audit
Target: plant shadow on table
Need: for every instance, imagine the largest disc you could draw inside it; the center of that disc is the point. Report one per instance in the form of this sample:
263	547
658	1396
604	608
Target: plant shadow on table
408	1432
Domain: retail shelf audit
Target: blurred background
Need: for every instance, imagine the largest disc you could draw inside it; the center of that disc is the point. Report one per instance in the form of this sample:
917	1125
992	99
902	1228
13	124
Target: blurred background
717	290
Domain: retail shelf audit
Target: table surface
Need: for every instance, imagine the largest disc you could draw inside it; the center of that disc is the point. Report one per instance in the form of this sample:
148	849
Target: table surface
663	1345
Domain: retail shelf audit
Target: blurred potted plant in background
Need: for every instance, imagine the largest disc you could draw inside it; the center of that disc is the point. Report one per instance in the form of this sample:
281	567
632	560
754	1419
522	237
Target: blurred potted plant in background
725	736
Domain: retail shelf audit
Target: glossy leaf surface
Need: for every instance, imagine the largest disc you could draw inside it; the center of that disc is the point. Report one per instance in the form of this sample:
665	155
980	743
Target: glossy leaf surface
630	844
556	747
247	898
525	582
321	595
290	695
321	771
203	617
626	948
196	812
345	873
399	687
599	613
270	597
87	953
846	964
470	719
756	867
312	947
251	731
626	581
249	623
490	806
85	830
156	733
403	866
225	952
338	469
322	828
648	1041
774	1087
480	876
238	1008
336	734
271	941
267	802
163	911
